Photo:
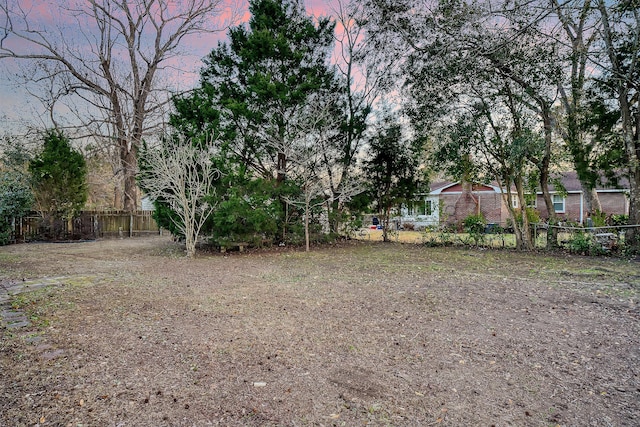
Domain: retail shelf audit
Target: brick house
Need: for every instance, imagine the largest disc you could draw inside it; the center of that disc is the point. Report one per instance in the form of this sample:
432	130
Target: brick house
452	202
572	206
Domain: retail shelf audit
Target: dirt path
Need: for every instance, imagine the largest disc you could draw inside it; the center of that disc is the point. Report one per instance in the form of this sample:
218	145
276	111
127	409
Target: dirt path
358	334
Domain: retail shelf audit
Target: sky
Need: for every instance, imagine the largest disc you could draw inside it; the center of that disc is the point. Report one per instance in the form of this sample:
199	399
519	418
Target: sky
19	109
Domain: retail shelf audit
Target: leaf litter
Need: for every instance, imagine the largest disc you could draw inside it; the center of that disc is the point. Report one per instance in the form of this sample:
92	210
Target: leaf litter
352	334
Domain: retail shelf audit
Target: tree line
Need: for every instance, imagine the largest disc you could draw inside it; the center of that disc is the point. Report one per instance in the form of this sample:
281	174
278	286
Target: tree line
299	123
511	91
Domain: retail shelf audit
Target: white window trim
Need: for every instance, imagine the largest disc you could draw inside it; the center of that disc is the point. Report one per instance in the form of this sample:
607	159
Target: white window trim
564	203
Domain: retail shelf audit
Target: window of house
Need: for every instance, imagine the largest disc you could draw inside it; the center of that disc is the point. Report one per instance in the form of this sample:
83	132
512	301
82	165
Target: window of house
532	200
428	207
558	203
514	201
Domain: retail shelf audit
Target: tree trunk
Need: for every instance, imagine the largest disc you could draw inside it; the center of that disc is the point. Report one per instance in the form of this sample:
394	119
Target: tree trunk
117	197
306	222
552	231
591	200
189	238
128	151
543	168
624	81
281	168
631	134
526	229
385	223
632	236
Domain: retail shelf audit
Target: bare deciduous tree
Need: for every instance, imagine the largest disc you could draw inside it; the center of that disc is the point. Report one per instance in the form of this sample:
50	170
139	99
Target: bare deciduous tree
359	65
314	159
183	176
108	57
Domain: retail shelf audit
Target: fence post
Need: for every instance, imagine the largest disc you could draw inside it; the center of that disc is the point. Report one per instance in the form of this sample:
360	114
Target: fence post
131	224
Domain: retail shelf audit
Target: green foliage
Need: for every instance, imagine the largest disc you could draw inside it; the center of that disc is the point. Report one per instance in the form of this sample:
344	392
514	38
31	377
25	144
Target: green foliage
256	97
248	212
258	85
15	201
616	220
533	216
599	219
392	167
582	243
58	177
16	198
474	225
166	218
352	225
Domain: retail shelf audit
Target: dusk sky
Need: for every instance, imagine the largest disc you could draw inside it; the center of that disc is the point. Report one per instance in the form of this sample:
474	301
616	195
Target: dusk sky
17	106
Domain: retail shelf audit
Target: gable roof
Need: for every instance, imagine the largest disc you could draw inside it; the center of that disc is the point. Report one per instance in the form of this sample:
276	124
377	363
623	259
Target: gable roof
572	184
456	187
569	180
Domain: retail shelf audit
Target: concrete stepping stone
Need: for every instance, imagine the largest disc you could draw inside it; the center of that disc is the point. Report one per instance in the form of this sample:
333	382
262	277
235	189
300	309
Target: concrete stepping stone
11	314
18	324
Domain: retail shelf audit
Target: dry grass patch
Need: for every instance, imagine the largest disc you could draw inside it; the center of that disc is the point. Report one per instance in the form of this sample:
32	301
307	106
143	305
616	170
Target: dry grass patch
364	333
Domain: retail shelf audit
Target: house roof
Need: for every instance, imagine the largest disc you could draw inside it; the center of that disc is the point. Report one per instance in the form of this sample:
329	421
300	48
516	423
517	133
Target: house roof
569	180
572	183
456	187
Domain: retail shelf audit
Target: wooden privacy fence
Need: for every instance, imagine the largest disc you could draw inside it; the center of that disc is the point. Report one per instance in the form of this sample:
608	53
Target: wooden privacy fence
87	225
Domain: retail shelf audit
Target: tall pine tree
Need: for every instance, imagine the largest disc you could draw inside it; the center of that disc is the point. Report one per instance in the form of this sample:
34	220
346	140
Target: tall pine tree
58	176
259	89
259	84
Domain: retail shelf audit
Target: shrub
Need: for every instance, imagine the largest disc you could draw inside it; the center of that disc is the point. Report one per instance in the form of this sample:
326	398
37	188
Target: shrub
579	243
584	244
15	201
533	216
475	225
599	219
616	220
59	177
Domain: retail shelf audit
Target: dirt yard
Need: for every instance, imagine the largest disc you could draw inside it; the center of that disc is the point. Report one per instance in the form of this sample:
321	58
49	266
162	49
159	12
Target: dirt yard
362	333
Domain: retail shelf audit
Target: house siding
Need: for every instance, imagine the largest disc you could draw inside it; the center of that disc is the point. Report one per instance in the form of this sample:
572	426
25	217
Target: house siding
612	203
459	206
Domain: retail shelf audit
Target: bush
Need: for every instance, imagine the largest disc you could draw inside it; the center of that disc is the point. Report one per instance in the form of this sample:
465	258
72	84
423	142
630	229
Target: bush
533	216
584	244
616	220
475	225
580	243
15	201
351	225
599	219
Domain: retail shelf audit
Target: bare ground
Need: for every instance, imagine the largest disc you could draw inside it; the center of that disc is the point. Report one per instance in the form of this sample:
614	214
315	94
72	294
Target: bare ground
354	334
